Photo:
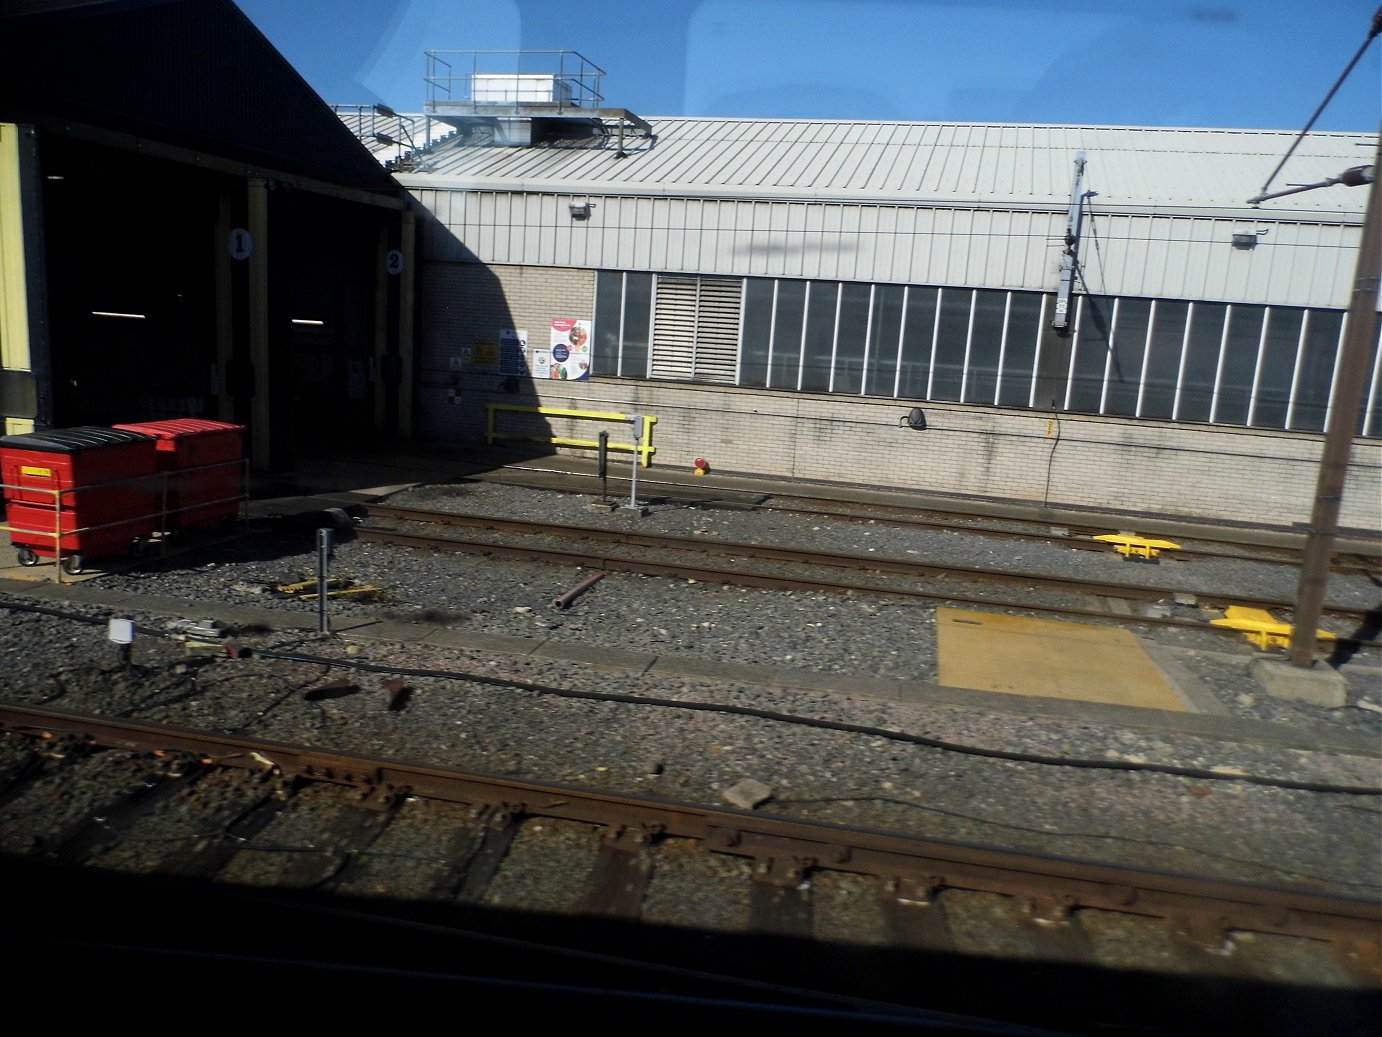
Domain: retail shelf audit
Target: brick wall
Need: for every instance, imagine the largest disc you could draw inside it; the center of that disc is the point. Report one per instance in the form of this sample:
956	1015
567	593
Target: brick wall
1060	460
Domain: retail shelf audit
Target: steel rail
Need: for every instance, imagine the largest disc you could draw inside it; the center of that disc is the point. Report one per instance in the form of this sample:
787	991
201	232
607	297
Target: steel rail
1076	537
1053	886
1358	557
760	552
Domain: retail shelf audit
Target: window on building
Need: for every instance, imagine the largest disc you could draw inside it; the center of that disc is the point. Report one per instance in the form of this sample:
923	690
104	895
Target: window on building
985	347
1169	360
1200	362
789	313
1270	396
818	347
885	339
1026	317
918	342
1237	365
757	333
623	322
1125	363
1314	374
1162	362
852	338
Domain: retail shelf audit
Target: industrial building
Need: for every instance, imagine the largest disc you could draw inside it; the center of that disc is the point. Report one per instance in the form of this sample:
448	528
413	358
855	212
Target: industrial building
1071	315
188	230
1074	316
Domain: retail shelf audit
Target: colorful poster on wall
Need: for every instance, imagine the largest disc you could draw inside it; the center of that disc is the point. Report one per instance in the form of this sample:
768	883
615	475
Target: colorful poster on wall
513	351
570	350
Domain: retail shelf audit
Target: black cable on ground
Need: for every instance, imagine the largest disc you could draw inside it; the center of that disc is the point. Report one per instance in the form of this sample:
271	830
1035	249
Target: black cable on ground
764	714
835	725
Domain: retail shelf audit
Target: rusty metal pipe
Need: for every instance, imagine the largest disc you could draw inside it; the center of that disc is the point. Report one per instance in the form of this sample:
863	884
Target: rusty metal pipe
575	592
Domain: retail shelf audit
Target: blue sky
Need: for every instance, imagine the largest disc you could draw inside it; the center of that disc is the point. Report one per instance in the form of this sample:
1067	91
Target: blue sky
1263	64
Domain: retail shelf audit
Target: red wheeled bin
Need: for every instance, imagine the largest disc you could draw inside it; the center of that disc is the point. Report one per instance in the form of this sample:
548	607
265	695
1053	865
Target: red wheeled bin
79	492
203	462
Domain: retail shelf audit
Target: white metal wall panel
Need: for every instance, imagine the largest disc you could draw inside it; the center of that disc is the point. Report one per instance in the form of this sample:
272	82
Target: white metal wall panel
1177	257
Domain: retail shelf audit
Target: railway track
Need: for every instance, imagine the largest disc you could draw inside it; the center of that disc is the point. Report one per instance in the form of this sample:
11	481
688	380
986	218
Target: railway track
788	568
570	887
1073	530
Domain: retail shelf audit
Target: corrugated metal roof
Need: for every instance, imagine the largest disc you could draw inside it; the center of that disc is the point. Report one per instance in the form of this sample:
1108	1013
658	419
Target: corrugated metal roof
980	164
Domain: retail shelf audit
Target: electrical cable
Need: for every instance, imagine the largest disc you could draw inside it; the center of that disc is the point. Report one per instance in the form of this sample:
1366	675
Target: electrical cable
1198	773
1373	31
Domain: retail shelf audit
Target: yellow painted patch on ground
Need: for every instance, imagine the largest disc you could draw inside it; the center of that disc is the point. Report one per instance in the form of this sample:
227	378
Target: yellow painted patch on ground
1049	658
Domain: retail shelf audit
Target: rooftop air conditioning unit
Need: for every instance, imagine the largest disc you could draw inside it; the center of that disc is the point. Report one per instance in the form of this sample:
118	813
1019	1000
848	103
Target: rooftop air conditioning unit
516	88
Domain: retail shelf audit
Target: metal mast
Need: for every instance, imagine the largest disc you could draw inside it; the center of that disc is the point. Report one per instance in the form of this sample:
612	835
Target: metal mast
1070	258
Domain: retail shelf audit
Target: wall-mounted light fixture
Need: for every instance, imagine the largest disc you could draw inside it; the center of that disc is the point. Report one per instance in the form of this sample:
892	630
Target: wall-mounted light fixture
1245	241
580	210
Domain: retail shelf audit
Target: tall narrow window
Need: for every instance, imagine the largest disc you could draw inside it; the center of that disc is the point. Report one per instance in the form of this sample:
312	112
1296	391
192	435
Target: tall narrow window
1200	365
852	339
1019	349
917	341
1092	345
1275	367
952	334
609	324
1124	368
757	332
1239	364
1162	363
788	316
1318	355
881	377
819	340
986	343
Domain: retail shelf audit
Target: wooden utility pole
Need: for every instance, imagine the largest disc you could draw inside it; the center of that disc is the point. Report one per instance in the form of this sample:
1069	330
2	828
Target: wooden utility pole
1351	382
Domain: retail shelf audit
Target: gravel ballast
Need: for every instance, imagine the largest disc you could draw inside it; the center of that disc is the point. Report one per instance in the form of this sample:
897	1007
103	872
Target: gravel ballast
823	706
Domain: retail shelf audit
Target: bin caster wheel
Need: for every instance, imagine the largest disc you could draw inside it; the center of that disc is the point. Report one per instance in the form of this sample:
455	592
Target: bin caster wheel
73	565
139	548
27	556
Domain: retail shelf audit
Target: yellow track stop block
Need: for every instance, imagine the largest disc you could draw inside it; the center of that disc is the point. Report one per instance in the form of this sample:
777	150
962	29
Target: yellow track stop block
1130	545
1019	655
1261	627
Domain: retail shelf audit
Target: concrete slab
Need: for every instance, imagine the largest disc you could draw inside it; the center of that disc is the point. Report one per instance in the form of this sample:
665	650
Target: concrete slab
1319	685
1018	655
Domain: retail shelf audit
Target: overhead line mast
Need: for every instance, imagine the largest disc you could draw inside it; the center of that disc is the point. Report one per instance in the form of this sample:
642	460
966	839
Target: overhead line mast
1070	258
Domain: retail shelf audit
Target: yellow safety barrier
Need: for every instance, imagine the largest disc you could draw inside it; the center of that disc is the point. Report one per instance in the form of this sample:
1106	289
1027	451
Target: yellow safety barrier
1261	628
644	448
1130	545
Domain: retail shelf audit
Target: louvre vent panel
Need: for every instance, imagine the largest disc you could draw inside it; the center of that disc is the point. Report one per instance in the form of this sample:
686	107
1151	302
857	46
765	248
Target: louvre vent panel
696	329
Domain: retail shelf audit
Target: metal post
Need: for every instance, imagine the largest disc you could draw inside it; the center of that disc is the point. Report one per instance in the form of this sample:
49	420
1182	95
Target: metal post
637	420
121	634
1343	426
604	465
323	559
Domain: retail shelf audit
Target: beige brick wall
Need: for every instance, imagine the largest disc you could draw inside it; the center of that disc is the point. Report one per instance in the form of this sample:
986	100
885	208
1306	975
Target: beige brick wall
1060	460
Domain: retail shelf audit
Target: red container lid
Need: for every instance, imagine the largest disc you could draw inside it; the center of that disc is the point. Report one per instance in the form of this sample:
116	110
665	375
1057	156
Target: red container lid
174	428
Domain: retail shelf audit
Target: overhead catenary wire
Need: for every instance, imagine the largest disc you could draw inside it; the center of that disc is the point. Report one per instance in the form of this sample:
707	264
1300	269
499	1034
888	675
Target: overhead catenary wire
1373	31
